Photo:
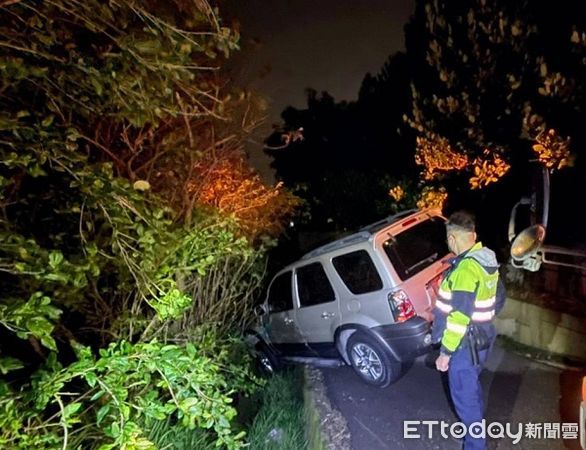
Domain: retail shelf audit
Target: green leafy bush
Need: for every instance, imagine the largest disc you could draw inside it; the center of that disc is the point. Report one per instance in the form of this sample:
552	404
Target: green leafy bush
115	311
116	392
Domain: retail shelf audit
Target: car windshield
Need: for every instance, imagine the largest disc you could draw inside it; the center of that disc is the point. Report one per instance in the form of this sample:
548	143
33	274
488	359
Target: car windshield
416	248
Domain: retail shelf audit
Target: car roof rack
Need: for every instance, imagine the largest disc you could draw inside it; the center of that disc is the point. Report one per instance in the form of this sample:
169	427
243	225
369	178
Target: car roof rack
364	234
339	243
377	226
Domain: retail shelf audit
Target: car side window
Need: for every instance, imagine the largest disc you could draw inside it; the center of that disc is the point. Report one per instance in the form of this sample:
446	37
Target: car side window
280	298
313	285
358	272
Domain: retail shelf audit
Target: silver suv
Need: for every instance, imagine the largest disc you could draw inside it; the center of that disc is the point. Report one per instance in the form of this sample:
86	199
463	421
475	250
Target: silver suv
365	300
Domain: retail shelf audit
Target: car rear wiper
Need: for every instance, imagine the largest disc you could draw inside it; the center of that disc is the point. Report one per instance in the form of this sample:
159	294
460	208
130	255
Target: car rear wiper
430	258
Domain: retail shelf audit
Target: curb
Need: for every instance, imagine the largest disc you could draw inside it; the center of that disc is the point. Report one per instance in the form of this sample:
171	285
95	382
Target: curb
326	428
544	329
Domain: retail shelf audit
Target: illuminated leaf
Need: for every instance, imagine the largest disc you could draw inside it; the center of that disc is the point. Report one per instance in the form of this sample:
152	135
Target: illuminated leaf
141	185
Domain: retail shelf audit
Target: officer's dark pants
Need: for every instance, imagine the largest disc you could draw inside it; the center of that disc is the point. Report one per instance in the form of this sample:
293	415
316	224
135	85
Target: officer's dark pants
466	391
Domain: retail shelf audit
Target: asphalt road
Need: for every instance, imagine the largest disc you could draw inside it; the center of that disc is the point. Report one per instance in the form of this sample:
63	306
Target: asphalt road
517	390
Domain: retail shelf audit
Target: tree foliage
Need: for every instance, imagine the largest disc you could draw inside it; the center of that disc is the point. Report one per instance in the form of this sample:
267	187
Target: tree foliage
226	182
497	86
355	163
492	79
352	152
106	109
483	90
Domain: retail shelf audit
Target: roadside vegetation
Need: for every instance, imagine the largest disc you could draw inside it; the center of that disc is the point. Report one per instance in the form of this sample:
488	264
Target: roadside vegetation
133	234
280	423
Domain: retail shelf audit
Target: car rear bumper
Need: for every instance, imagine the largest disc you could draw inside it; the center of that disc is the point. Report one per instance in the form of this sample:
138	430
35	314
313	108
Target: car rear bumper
407	340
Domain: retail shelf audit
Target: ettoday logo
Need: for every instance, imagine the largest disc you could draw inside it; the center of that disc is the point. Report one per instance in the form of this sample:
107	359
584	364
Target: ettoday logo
418	429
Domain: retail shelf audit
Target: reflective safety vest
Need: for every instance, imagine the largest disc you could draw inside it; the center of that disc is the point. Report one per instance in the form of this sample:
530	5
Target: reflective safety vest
477	286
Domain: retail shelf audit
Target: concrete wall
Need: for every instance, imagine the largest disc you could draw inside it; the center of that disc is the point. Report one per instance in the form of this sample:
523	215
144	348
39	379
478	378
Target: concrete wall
543	328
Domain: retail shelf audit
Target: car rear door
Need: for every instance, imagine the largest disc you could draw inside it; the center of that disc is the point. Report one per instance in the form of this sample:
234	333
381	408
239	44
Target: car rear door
366	296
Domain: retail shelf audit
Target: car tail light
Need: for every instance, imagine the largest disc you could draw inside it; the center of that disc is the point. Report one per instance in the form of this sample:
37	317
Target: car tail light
401	306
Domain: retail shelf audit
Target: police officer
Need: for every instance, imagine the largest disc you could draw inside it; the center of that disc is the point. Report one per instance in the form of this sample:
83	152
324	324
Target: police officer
470	295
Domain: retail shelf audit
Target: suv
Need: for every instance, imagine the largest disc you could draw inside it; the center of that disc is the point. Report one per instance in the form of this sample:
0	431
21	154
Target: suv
365	300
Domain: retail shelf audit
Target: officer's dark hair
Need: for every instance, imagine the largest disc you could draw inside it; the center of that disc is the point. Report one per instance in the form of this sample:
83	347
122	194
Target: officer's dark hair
463	220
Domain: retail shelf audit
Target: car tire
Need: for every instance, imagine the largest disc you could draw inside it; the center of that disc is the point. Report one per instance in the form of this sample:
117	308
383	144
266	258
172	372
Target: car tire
267	362
371	362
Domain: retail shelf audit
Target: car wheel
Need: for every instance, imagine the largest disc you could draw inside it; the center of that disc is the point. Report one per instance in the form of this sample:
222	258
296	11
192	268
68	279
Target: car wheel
371	361
267	362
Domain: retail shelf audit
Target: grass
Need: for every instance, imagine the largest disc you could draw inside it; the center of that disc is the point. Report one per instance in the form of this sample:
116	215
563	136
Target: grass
274	419
279	424
166	436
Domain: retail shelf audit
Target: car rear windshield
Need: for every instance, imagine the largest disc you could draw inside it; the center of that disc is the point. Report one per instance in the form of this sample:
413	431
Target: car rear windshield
418	247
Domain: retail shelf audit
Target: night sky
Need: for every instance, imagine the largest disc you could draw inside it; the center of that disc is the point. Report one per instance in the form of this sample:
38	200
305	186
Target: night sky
328	45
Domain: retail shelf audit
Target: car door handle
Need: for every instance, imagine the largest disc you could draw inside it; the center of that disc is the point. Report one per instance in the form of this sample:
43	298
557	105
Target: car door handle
288	321
327	315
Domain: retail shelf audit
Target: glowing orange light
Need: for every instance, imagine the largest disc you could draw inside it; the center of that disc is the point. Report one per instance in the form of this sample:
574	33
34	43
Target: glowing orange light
230	185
